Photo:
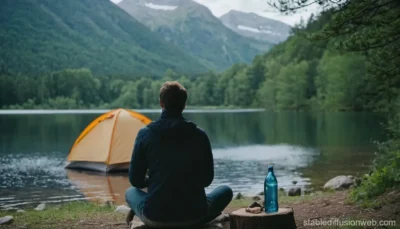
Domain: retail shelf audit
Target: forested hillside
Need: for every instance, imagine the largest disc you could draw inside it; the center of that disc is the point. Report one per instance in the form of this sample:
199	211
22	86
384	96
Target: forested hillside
41	36
297	74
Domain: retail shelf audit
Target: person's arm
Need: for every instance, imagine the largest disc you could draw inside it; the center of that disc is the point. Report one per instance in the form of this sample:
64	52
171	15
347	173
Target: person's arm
208	162
138	165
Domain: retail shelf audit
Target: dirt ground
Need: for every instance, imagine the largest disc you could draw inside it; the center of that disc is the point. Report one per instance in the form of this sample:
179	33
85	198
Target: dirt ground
324	208
309	213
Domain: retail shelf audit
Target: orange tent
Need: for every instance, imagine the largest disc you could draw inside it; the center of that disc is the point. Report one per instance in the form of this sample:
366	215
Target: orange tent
106	144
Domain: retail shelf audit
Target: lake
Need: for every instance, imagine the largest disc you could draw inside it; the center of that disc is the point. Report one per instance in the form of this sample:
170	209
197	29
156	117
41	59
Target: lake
305	148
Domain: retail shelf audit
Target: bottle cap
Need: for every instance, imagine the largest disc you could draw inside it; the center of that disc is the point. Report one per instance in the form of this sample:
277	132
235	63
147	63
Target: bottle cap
270	167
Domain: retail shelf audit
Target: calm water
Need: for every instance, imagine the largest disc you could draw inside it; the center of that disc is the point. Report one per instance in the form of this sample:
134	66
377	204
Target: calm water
309	148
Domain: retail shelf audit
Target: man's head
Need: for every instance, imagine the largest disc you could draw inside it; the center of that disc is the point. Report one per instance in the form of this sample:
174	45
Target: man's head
173	96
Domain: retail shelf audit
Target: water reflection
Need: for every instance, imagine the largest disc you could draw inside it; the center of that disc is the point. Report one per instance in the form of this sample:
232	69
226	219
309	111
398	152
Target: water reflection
98	187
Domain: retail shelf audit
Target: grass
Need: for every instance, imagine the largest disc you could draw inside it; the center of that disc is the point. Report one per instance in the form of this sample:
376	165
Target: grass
66	214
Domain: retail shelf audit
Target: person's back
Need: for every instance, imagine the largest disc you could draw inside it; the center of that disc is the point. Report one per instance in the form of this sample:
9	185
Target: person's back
178	157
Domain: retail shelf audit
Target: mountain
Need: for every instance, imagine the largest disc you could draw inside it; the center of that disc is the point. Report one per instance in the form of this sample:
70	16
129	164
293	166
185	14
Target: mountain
193	27
39	36
255	26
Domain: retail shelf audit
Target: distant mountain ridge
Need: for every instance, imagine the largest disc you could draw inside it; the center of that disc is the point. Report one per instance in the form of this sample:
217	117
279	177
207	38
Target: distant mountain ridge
256	26
194	28
38	36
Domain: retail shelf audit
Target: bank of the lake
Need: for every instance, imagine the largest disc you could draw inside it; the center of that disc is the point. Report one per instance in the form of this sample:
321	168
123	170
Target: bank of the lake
309	210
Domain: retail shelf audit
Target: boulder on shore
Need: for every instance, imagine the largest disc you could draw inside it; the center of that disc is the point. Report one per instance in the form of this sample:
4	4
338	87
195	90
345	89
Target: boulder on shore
340	182
239	196
41	207
6	220
123	209
294	192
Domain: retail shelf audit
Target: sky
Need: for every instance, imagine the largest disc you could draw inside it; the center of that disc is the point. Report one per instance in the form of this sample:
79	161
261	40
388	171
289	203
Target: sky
260	7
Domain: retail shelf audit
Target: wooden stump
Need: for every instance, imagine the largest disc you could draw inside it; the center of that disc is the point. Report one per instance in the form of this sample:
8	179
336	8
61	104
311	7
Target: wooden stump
283	219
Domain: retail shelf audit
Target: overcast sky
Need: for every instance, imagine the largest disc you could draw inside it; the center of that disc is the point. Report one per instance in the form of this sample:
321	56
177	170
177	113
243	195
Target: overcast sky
220	7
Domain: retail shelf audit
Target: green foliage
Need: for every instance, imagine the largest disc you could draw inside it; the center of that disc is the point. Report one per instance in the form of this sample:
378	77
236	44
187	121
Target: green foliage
41	36
297	74
339	81
292	86
385	175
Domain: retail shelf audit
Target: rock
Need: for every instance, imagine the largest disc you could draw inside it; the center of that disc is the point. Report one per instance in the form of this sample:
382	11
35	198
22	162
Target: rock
214	226
294	192
6	220
136	225
340	182
256	198
307	192
108	203
20	211
239	196
41	207
123	209
261	194
294	182
255	210
222	218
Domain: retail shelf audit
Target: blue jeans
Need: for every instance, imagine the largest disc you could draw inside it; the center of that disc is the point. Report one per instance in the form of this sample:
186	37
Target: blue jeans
217	200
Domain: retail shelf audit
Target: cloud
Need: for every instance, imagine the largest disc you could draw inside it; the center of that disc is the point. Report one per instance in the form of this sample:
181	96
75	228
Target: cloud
260	7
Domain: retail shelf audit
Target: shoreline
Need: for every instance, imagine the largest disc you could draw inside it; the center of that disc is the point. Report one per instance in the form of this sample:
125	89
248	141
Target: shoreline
325	205
101	111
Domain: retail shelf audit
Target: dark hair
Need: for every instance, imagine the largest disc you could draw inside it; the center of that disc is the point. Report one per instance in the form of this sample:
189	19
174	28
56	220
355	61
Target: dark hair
173	95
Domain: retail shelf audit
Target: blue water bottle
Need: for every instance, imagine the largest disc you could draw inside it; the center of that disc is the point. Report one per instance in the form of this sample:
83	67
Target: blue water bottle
271	191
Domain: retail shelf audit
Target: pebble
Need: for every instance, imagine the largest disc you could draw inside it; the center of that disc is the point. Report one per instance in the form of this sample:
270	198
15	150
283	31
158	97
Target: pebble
294	192
239	196
123	209
41	207
6	220
20	211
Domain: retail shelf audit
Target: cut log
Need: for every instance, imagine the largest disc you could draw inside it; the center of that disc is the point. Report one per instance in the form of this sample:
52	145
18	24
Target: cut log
283	219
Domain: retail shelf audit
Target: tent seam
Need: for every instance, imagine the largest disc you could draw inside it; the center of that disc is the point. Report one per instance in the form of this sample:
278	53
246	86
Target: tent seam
112	137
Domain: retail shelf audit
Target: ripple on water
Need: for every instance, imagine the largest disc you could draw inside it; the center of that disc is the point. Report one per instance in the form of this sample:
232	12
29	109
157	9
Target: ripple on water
34	178
35	170
244	168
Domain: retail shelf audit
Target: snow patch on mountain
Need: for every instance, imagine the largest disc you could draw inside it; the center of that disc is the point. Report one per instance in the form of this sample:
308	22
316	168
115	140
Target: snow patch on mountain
256	30
160	7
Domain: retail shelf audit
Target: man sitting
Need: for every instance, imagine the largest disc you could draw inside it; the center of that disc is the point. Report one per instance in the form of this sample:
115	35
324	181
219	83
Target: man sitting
177	155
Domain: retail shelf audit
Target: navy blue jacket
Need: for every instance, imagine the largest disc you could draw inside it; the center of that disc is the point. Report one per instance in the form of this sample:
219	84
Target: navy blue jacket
180	162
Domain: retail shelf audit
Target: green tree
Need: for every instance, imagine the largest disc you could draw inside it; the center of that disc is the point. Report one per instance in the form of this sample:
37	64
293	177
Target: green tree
339	81
292	86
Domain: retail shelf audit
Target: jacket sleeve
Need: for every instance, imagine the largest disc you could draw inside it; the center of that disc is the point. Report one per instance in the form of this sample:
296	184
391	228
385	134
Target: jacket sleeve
208	162
138	165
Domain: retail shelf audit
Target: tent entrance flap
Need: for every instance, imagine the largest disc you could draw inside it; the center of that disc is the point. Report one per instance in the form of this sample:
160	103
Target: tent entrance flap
107	142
